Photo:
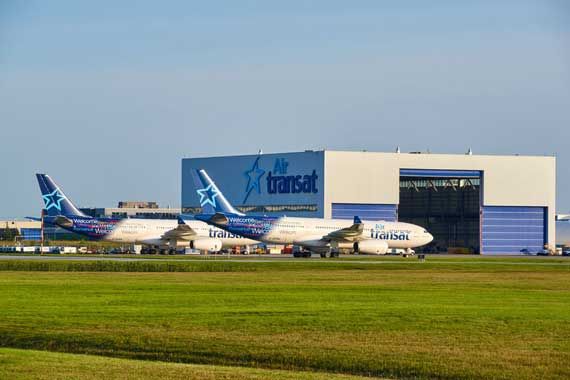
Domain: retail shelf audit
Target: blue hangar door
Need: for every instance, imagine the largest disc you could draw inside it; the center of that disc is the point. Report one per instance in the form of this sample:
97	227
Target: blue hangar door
364	211
513	230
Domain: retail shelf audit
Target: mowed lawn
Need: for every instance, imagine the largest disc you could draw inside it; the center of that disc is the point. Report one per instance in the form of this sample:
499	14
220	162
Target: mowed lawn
16	364
436	321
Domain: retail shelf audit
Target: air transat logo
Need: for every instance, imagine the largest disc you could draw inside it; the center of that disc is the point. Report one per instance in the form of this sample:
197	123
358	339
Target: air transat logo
253	177
208	195
53	200
278	180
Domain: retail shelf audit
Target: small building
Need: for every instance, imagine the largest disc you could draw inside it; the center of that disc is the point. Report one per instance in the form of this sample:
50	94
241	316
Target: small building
133	209
470	203
11	230
143	213
137	204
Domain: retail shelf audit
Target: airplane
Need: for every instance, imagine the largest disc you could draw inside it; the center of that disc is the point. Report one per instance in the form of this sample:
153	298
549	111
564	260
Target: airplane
324	236
162	233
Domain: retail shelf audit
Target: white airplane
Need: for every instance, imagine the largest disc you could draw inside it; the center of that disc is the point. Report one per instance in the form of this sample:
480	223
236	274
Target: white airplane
162	233
317	235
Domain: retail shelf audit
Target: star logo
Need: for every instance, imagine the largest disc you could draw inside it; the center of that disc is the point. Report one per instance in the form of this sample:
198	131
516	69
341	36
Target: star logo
208	195
253	176
53	200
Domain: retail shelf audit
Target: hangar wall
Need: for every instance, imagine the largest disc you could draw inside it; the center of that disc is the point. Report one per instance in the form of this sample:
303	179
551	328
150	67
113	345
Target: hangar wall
373	178
268	184
510	192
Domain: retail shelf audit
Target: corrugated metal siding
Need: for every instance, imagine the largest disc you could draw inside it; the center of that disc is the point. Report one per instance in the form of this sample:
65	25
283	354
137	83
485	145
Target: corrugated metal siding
509	230
364	211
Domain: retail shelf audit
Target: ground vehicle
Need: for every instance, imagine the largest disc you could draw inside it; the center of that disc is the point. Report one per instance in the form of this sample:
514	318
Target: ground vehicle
298	251
400	251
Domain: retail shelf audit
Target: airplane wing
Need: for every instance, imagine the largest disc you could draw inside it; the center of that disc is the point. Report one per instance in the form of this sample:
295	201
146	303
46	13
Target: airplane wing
181	232
347	234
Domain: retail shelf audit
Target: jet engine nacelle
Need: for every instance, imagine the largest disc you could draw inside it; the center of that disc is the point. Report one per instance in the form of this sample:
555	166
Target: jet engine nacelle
371	247
211	245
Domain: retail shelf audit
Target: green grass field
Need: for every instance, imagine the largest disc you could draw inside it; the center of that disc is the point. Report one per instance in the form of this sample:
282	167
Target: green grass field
18	364
467	318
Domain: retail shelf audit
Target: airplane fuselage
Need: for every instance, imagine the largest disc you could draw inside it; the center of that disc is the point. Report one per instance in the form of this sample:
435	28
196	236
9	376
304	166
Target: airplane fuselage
148	231
308	231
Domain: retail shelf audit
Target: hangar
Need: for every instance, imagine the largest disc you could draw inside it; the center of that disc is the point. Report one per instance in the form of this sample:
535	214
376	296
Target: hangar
470	203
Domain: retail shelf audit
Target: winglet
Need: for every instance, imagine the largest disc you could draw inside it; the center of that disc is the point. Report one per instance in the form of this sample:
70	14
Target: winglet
357	220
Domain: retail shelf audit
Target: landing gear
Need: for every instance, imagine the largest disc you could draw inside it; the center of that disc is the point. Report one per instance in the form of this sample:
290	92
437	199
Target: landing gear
330	253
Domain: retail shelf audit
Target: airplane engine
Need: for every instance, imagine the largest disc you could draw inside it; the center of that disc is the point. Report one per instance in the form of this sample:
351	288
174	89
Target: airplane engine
211	245
371	247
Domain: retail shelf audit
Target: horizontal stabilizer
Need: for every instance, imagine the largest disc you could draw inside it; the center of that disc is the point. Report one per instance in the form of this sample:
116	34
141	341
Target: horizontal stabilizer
63	221
219	219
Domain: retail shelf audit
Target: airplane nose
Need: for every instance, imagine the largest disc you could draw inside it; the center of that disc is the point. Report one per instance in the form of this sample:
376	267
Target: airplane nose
429	238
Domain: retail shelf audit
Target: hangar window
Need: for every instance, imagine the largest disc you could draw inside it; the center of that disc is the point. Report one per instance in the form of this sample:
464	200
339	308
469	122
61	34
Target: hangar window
262	209
445	202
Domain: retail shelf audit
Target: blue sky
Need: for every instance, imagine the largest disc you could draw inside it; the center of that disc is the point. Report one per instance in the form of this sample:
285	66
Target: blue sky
107	97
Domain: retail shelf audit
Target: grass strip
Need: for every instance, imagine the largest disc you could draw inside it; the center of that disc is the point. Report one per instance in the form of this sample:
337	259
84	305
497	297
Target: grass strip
18	364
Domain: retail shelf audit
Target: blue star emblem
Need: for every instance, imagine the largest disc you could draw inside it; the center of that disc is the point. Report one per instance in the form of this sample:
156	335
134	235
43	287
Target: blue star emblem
53	200
208	195
253	176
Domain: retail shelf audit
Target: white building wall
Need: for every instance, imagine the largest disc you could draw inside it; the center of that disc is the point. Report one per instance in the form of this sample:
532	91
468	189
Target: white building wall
19	224
369	177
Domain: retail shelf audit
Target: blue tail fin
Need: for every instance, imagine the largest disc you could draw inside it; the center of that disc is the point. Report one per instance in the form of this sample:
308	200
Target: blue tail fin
56	201
211	198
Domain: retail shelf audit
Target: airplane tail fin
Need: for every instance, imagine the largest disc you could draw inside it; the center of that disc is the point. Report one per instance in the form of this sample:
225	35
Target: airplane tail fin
212	200
56	202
